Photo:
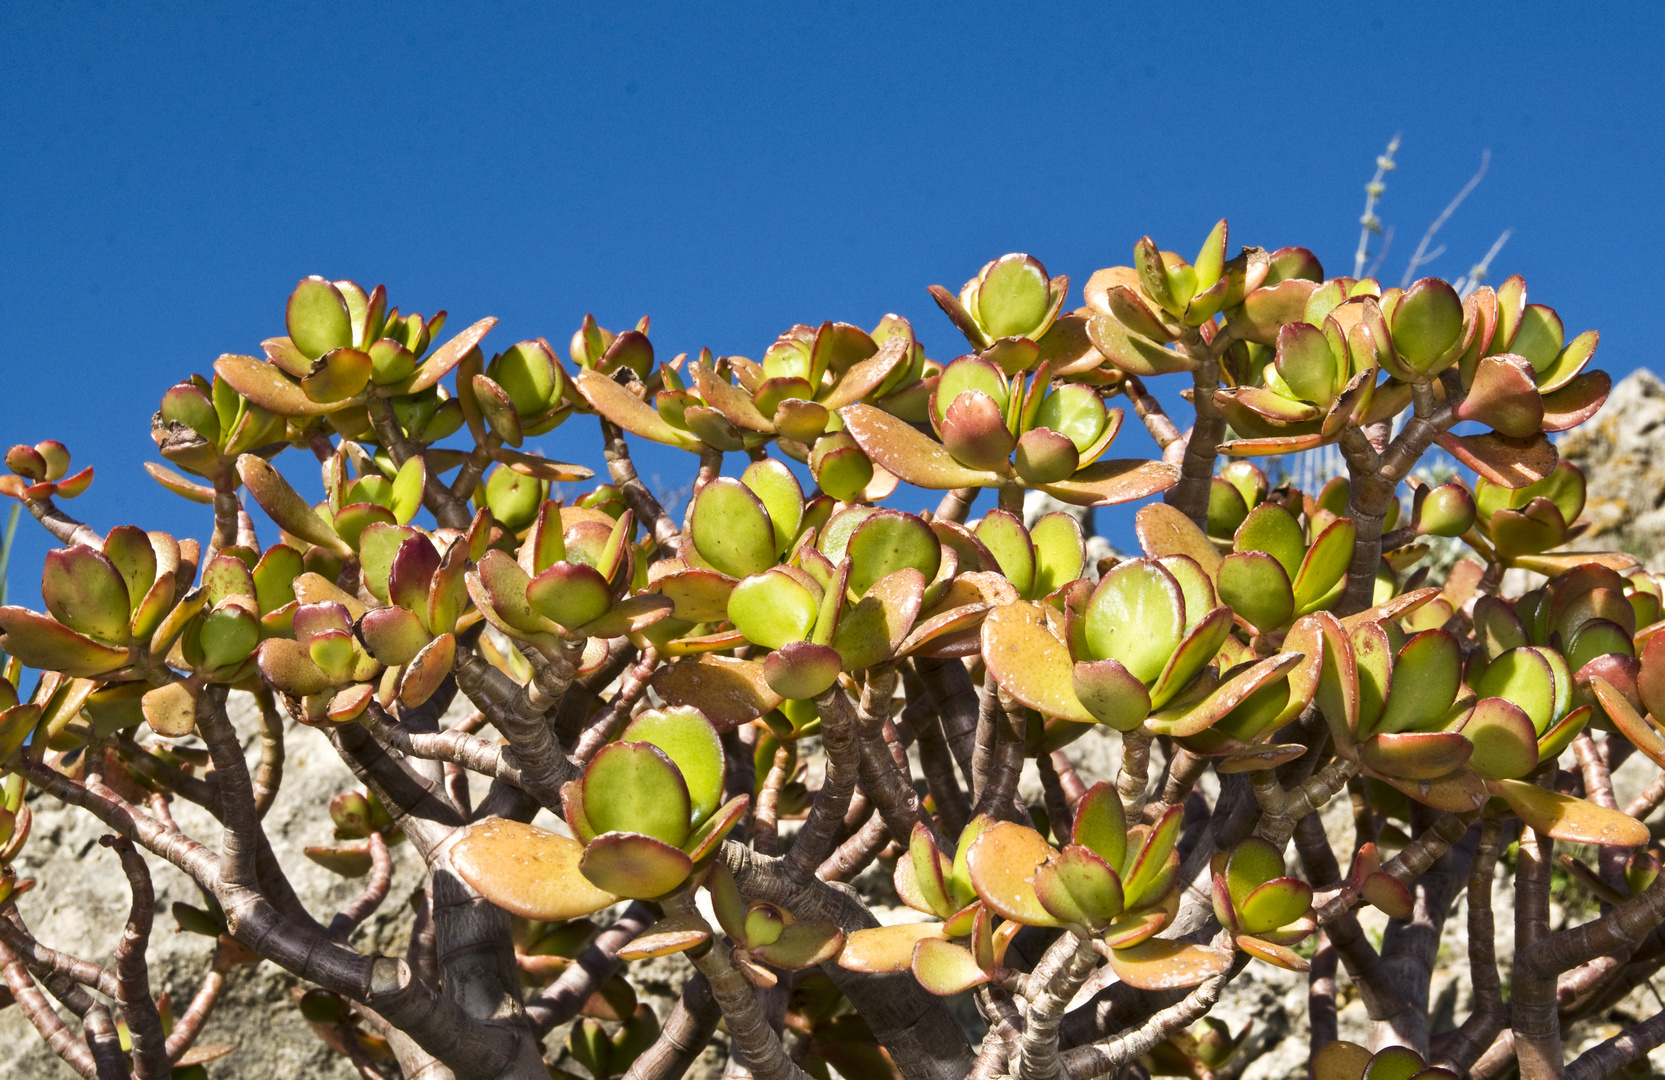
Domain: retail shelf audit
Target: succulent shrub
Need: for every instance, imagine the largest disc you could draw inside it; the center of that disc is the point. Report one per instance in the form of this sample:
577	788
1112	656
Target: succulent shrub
720	714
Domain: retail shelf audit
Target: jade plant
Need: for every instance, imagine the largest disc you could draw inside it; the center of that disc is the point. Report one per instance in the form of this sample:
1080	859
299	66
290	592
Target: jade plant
693	728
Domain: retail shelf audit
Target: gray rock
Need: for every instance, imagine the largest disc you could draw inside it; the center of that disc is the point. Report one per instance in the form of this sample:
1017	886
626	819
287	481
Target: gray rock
1618	452
81	904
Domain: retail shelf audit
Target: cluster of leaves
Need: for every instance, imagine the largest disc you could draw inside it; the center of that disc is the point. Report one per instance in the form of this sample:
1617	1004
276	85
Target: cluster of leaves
654	682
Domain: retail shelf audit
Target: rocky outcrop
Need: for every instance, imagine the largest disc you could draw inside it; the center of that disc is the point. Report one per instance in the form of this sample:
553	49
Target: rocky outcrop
81	901
1619	453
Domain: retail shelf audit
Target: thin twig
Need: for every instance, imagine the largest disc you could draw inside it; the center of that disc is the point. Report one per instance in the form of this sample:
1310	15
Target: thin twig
1420	258
1368	221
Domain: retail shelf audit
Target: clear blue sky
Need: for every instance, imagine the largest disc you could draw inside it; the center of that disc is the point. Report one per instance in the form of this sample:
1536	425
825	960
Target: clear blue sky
169	172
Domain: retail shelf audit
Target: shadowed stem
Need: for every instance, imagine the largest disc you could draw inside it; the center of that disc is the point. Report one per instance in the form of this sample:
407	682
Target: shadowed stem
686	1030
370	898
913	1025
839	741
1471	1038
600	730
450	511
1003	761
561	1000
520	713
1598	788
1412	860
1318	859
1628	1046
856	853
1374	479
882	779
1281	810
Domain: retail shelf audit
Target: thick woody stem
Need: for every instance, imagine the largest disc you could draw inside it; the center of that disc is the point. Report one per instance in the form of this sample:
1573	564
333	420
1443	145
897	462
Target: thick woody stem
1598	788
1611	1057
1476	1033
1196	469
937	763
765	822
66	529
268	774
1107	1059
370	898
456	786
600	730
840	743
138	1008
1281	810
440	1025
684	1035
227	507
560	1001
1050	986
997	796
473	467
416	804
1058	815
990	717
956	504
422	951
42	960
1409	947
1319	861
754	1038
636	494
99	1029
1343	939
450	511
949	686
1364	815
885	783
1135	772
914	1026
1184	769
1532	1003
453	746
1619	929
1415	858
40	1013
856	853
1374	478
520	713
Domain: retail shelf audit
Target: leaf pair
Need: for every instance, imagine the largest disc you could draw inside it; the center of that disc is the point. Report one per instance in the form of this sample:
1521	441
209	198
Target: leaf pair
648	808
